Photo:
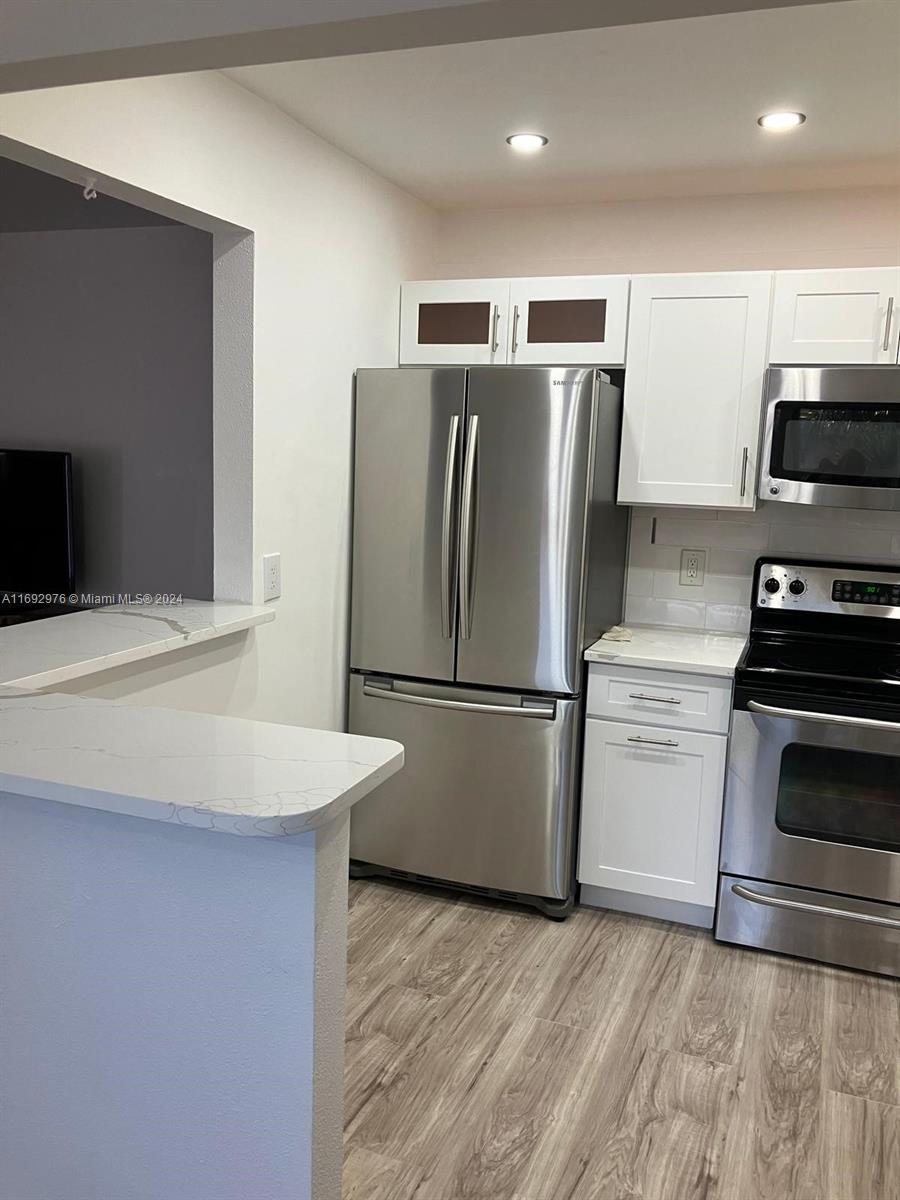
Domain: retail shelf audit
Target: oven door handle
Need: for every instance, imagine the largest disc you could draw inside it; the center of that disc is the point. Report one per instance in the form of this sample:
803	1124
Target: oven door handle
825	910
798	714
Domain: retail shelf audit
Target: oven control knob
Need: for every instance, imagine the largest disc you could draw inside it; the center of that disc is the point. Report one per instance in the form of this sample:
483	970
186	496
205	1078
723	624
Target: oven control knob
772	586
796	587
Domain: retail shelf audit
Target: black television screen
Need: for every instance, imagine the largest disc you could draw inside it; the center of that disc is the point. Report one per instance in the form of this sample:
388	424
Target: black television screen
36	534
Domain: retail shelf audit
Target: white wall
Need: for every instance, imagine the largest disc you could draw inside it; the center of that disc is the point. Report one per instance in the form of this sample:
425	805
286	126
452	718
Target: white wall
840	228
332	242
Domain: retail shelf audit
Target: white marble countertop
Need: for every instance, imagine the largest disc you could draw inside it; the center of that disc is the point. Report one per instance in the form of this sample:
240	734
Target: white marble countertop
211	772
658	647
40	654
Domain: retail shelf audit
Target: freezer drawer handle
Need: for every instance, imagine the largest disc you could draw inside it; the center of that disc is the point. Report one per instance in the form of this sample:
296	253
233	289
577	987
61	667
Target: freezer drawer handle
467	533
657	699
797	714
822	910
651	741
545	712
448	572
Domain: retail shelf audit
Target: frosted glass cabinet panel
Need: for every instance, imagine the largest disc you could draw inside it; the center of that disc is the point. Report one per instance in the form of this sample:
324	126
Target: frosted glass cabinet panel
574	319
462	321
841	316
693	389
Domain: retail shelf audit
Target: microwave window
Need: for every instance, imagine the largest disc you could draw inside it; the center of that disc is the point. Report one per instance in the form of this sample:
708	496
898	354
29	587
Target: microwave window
858	446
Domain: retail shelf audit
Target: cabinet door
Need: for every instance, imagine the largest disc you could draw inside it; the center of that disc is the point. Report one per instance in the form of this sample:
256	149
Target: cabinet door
651	810
693	390
836	316
575	319
454	321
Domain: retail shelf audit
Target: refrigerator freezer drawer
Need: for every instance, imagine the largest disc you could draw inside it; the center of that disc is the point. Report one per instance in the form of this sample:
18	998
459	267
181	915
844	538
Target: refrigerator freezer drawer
487	795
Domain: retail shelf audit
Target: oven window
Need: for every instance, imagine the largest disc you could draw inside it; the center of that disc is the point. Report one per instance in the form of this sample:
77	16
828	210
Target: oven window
820	443
847	796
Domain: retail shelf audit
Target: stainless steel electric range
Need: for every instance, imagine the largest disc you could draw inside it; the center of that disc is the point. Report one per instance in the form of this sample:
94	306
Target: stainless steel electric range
810	861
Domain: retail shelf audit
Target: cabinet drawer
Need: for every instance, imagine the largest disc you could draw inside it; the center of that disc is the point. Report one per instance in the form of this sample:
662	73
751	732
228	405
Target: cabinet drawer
669	698
651	811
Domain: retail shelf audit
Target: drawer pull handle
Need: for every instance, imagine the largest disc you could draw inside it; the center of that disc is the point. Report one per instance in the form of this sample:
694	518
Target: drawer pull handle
824	910
651	741
658	699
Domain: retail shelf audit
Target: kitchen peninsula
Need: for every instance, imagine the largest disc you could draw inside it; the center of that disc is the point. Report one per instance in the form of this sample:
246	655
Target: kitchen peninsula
173	923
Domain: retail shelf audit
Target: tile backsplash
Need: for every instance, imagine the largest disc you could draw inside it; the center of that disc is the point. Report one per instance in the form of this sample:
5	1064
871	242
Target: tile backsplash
733	540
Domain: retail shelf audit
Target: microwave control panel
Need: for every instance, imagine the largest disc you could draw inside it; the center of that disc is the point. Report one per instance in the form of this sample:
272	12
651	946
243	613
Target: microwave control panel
828	588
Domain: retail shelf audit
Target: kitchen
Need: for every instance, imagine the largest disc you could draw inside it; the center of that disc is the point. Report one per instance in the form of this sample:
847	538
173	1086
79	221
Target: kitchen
697	1011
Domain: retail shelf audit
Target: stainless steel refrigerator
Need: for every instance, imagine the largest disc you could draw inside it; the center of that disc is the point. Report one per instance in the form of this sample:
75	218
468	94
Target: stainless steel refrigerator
488	551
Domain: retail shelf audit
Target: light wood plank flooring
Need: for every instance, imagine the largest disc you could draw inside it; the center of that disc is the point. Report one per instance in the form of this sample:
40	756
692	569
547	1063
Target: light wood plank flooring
495	1055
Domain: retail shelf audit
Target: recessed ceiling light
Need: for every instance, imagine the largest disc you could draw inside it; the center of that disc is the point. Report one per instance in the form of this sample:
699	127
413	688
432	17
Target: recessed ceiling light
779	121
527	143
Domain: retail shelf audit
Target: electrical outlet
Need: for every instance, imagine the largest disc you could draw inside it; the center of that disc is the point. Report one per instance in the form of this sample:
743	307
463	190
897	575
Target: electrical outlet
693	568
271	576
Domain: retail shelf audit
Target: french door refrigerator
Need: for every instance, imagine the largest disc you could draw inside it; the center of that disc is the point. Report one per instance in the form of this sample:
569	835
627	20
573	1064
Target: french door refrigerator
487	552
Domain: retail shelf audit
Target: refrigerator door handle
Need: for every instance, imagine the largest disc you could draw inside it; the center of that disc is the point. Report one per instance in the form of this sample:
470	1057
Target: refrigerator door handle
466	537
448	566
546	712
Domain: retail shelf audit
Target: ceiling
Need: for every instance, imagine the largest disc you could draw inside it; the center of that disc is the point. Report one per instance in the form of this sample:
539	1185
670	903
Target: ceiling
635	111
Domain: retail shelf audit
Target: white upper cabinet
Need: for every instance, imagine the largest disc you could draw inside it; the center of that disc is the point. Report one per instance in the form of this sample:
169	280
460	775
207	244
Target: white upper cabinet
841	316
454	321
693	389
573	319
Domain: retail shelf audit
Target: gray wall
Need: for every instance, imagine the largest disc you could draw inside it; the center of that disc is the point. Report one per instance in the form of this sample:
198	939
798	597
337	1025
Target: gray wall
32	200
106	350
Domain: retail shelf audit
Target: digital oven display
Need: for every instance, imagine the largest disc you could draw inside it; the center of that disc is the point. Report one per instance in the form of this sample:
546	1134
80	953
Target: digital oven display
853	591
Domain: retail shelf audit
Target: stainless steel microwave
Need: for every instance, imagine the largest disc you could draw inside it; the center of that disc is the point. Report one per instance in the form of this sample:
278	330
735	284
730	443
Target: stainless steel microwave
832	436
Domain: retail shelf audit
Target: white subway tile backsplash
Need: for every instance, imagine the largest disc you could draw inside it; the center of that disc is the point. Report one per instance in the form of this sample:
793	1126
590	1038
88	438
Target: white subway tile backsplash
640	580
715	589
732	562
834	541
733	540
728	618
643	610
730	535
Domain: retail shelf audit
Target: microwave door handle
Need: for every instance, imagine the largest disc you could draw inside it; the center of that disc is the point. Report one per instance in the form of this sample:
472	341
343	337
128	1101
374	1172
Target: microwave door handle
798	714
886	344
448	566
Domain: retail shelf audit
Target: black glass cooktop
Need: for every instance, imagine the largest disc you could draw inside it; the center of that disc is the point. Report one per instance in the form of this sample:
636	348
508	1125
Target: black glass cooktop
829	665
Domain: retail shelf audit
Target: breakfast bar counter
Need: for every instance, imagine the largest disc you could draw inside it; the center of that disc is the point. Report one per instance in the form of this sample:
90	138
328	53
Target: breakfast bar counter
173	909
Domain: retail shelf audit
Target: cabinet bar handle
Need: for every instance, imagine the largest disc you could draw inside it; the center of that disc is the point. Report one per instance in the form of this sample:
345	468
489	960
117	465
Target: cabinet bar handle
650	741
658	699
495	341
886	344
515	336
744	462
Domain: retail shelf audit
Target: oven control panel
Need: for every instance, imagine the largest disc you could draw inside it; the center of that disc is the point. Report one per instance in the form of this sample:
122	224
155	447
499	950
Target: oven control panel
828	588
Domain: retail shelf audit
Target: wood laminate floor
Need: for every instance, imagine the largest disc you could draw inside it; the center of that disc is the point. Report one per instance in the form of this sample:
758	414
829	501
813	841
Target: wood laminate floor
495	1055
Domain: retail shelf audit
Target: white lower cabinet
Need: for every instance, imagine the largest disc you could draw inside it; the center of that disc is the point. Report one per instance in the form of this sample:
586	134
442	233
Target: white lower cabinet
651	814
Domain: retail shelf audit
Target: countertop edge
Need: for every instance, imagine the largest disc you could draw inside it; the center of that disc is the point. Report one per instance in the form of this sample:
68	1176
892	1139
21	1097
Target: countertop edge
131	654
187	816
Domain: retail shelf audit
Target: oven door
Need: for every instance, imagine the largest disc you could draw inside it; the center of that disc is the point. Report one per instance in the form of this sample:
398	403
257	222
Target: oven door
832	437
813	798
